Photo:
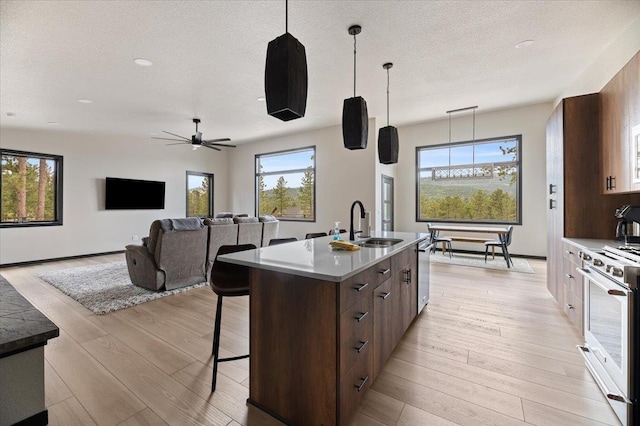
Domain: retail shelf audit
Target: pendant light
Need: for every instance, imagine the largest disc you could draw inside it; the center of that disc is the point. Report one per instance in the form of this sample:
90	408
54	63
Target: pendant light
355	120
285	76
388	144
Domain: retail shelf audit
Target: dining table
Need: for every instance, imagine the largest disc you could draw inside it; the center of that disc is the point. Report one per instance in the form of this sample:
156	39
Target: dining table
500	231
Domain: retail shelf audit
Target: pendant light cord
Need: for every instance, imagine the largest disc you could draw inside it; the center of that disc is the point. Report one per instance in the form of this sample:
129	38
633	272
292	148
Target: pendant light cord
286	16
387	97
354	65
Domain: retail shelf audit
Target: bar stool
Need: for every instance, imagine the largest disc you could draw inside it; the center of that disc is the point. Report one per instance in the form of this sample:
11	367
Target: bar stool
276	241
227	280
315	235
435	239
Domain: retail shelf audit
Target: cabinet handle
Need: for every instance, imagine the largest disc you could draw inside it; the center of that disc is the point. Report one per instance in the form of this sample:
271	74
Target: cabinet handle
570	306
384	271
552	189
361	316
361	287
385	295
569	252
364	381
552	204
407	276
612	180
616	293
607	184
362	345
569	276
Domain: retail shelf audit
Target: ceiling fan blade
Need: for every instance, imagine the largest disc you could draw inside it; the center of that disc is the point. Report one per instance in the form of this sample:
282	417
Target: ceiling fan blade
179	143
212	147
217	140
178	136
168	139
219	144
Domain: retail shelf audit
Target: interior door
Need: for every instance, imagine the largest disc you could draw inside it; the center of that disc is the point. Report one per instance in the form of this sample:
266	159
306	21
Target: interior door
387	203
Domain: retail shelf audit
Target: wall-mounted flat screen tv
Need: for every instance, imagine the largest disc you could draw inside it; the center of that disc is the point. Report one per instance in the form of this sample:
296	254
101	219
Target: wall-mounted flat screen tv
132	194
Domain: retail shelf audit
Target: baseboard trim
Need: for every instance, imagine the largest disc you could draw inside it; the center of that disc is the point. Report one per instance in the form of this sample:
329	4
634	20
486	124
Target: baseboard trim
57	259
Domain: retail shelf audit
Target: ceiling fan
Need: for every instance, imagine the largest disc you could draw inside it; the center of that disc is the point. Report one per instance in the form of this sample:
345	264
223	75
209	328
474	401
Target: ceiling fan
196	140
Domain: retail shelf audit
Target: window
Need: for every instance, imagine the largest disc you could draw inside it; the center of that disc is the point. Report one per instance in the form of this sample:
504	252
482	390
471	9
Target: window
31	187
475	181
286	184
199	194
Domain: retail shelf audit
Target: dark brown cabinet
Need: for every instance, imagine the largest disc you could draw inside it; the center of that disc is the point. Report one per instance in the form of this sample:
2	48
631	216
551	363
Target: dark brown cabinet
316	346
620	106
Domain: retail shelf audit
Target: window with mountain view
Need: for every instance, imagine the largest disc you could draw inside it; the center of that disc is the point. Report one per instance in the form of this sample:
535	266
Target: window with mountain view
475	181
199	194
31	187
286	184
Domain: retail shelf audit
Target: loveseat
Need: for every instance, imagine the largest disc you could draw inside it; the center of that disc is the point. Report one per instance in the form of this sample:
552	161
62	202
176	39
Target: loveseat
180	252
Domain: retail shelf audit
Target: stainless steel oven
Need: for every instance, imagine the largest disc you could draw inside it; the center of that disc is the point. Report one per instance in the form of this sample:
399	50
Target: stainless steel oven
610	281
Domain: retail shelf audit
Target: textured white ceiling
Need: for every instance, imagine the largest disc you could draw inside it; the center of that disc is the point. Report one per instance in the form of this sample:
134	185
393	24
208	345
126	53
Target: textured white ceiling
208	60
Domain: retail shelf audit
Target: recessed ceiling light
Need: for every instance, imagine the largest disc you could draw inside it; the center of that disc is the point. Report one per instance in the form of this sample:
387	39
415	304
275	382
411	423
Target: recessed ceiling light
524	43
52	123
85	101
143	62
261	99
11	114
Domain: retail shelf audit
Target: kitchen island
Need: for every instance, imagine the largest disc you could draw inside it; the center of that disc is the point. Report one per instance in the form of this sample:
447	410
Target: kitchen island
323	323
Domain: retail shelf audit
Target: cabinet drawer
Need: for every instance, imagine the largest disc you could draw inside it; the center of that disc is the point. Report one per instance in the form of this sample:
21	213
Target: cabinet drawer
356	347
353	385
357	287
570	276
571	253
383	270
572	307
357	320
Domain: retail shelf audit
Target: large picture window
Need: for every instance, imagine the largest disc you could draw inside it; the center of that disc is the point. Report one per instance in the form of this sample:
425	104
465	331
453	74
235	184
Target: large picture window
199	194
31	187
476	181
286	184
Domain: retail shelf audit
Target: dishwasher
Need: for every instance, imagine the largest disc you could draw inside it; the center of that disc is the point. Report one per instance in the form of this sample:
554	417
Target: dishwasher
424	253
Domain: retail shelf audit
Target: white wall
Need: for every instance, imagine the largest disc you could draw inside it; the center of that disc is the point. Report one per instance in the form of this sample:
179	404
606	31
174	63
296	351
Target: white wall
530	122
88	158
602	69
342	176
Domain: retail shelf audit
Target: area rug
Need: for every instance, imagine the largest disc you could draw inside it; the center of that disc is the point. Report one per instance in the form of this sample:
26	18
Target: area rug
477	261
105	287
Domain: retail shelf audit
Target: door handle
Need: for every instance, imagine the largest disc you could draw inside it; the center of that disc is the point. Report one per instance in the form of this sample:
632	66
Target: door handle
552	204
552	189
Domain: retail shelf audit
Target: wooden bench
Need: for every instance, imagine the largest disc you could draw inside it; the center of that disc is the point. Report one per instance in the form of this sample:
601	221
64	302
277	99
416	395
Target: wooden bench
470	240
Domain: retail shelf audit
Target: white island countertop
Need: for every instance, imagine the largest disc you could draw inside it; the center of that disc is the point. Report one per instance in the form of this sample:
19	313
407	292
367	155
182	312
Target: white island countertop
315	259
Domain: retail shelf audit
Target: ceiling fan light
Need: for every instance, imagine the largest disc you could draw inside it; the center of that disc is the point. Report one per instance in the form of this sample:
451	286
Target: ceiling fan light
285	78
355	123
388	145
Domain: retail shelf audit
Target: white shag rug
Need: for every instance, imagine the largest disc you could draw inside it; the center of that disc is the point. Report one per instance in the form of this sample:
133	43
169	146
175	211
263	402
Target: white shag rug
105	287
477	260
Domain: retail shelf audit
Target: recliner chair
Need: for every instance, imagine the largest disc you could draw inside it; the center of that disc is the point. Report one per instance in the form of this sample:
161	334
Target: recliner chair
173	255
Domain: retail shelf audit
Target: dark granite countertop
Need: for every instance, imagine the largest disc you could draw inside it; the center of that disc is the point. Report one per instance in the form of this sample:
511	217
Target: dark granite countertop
22	326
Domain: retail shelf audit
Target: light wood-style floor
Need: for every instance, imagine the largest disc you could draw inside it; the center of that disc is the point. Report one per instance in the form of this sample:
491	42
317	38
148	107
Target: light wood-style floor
491	348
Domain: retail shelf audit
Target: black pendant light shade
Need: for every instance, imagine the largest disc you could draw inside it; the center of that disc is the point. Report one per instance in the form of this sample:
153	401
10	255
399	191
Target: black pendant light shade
355	123
355	119
285	78
388	145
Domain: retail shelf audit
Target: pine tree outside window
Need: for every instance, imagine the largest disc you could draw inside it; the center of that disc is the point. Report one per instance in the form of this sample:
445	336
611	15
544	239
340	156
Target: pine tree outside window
474	181
30	188
199	194
285	184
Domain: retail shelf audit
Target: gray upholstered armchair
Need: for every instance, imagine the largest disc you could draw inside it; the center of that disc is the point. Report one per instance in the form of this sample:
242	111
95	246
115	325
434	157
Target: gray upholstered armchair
173	256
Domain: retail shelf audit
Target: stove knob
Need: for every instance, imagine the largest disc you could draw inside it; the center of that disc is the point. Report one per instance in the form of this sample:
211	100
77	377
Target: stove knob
617	272
608	268
586	256
598	262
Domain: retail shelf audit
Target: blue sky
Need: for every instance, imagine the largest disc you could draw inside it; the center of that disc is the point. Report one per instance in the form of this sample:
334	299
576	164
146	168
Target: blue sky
464	154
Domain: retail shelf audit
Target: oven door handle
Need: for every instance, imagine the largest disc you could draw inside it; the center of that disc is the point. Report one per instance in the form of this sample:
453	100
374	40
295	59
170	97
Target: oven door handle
585	272
598	380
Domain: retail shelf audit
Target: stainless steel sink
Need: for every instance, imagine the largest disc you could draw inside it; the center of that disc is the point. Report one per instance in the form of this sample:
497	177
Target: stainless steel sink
378	242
